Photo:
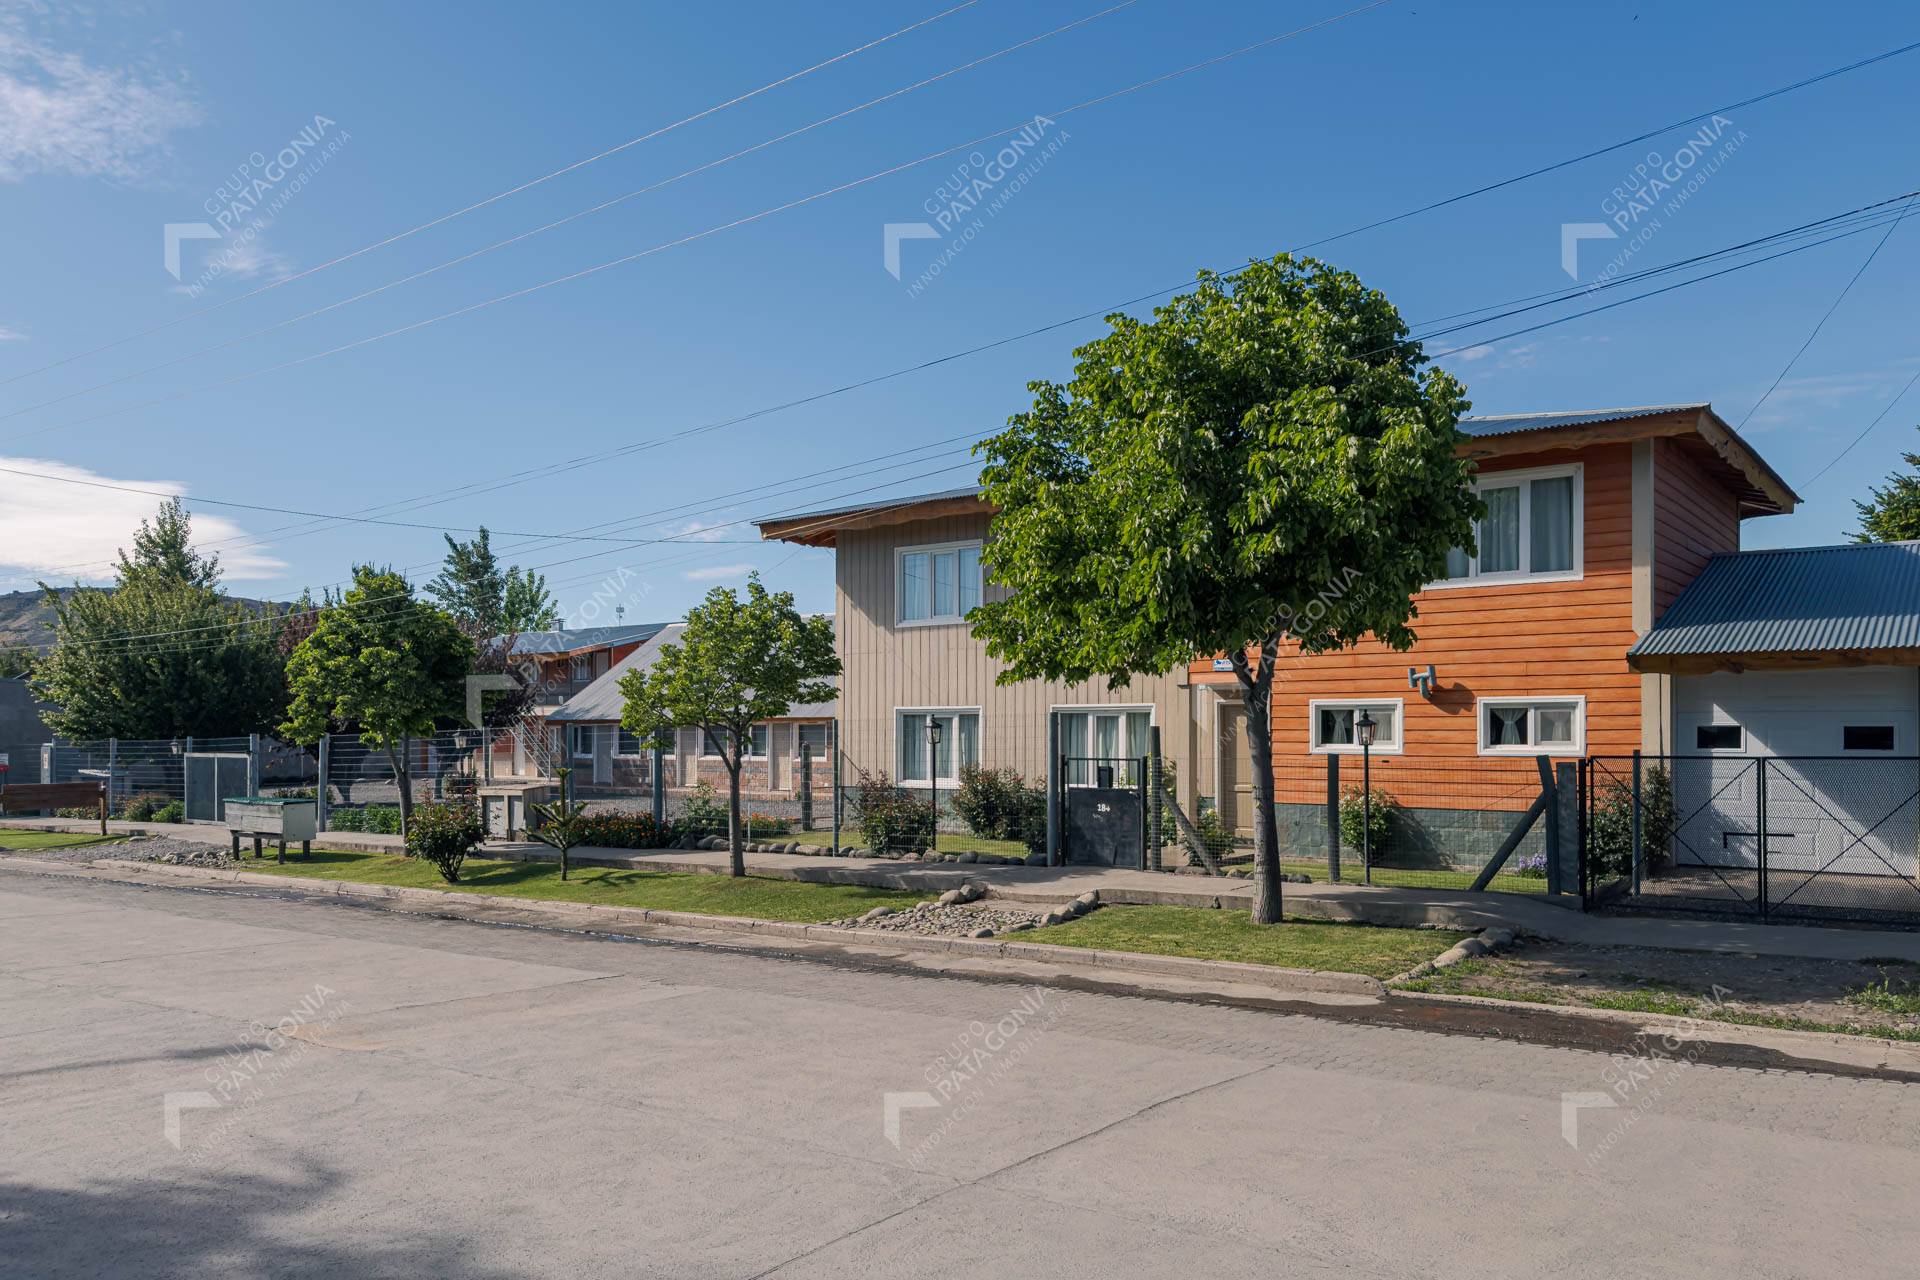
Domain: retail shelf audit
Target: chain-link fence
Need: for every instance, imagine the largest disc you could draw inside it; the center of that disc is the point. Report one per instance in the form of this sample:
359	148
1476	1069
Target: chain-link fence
177	779
1770	837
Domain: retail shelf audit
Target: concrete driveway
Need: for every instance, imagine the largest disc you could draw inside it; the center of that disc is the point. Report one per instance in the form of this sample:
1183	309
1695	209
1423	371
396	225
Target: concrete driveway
195	1083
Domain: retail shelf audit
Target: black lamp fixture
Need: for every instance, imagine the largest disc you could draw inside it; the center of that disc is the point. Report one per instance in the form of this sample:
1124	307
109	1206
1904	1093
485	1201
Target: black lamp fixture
1365	726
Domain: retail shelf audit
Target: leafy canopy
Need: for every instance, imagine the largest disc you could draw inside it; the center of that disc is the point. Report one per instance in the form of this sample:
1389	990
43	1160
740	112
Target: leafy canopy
1262	458
486	600
379	662
163	653
1892	514
738	662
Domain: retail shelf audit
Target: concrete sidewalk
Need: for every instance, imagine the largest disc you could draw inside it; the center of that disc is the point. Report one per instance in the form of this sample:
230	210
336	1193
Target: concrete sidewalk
1525	913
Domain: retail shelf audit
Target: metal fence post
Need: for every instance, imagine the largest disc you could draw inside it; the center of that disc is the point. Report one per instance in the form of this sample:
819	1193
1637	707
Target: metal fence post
113	769
659	786
1566	828
1639	836
486	755
1053	789
806	786
1156	767
1760	825
253	764
836	783
320	791
1333	818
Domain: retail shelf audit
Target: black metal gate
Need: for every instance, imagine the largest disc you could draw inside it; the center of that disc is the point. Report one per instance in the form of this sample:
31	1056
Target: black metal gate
1103	807
1768	837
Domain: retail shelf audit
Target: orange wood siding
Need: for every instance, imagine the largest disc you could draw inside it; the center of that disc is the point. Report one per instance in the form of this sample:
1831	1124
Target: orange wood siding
1694	516
1546	639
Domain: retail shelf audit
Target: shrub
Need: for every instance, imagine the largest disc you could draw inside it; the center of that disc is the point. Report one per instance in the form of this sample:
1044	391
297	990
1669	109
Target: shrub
621	831
1027	819
141	808
1354	820
77	813
890	817
763	825
1531	867
171	811
376	819
703	813
988	800
1610	832
444	834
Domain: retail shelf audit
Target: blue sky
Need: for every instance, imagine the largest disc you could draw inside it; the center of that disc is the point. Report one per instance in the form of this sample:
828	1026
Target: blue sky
116	121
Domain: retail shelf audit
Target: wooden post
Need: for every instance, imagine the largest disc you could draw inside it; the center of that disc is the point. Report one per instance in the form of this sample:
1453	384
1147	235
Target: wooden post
1553	822
103	810
1639	837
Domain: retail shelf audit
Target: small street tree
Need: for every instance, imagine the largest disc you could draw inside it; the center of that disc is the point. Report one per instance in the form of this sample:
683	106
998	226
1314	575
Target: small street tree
486	600
1261	464
737	663
380	663
1892	514
163	653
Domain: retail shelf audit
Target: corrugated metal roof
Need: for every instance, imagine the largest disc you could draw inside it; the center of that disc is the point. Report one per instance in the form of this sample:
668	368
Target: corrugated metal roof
529	642
602	702
1507	423
1798	600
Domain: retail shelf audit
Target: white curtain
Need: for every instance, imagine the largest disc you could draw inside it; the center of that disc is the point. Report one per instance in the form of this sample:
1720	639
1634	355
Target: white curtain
1552	550
913	748
1506	726
916	597
1073	745
1500	531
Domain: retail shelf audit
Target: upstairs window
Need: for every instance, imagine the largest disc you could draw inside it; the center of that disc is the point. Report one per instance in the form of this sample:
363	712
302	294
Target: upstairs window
1532	528
938	584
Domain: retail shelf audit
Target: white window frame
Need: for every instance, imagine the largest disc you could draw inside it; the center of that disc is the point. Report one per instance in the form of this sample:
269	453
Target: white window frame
1319	748
825	728
591	732
943	784
1533	747
706	741
627	755
1522	477
900	555
1695	724
1121	709
579	668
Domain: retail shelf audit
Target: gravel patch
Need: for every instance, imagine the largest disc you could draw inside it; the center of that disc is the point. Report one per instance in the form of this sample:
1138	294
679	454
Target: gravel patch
166	849
956	920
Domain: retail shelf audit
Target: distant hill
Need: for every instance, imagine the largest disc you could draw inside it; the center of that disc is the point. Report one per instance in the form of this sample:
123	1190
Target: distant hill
25	618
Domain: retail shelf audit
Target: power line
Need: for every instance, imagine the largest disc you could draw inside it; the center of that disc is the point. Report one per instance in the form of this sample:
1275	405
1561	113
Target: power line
561	222
496	198
1828	315
1865	431
628	259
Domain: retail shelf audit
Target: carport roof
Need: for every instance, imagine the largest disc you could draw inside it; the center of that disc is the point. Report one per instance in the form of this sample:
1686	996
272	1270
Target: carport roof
1801	604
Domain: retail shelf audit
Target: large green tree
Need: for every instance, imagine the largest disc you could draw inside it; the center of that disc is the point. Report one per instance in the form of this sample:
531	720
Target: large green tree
163	653
487	600
1263	464
380	663
1892	514
737	663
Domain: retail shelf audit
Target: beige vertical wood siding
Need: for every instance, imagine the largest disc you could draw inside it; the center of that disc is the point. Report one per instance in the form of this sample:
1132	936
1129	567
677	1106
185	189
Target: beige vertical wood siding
889	667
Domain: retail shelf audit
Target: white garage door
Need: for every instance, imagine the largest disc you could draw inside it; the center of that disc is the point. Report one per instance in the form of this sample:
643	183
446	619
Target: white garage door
1844	797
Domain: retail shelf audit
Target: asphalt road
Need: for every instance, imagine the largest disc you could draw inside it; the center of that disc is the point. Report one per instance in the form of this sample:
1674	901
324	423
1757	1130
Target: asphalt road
208	1084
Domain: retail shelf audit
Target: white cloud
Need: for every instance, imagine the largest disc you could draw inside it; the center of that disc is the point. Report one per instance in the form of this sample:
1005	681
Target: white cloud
61	114
243	258
716	571
73	532
1796	398
699	531
11	335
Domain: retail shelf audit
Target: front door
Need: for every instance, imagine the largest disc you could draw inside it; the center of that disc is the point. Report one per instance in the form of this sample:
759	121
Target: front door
1236	772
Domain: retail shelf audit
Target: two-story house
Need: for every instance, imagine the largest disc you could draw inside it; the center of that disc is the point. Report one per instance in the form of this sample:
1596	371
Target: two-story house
1609	609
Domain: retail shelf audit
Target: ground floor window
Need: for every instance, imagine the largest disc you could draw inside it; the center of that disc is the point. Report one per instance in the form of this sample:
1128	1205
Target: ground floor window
813	735
580	741
627	743
1104	735
1335	725
1532	726
925	761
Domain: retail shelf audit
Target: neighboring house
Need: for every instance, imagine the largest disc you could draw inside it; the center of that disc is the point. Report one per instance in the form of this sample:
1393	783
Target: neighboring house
22	732
906	573
609	759
555	666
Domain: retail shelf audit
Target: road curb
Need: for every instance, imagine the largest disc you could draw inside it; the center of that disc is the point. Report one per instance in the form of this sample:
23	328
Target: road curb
1316	981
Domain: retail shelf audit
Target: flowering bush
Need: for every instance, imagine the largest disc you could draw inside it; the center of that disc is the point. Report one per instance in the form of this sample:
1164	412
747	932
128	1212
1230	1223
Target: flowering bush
621	831
444	834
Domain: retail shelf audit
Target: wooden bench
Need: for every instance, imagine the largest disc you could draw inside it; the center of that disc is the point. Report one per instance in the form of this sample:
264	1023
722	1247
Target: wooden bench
32	797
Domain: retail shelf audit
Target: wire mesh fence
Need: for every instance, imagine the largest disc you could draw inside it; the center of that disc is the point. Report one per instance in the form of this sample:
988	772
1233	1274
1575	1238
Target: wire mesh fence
1769	837
177	779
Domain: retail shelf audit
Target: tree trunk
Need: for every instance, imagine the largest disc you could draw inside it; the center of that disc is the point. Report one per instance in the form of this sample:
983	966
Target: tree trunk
736	846
402	778
1256	692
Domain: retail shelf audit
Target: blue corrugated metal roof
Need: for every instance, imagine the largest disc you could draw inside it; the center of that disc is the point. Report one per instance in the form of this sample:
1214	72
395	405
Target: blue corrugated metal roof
1799	600
1501	424
528	642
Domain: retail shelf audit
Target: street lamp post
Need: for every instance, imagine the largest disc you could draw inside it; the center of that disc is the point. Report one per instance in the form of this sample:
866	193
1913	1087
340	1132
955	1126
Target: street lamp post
933	781
1363	729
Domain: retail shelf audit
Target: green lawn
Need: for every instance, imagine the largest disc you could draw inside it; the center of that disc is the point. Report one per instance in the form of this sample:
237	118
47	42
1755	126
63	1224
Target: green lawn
1208	934
603	886
21	841
1395	877
978	844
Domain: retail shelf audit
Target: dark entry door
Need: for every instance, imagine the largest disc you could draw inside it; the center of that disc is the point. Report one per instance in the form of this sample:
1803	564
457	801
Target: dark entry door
1105	825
